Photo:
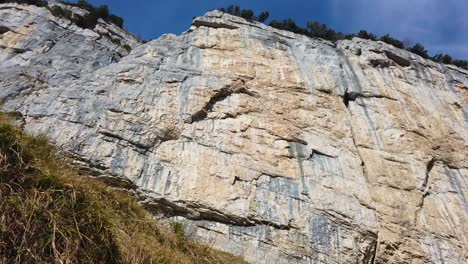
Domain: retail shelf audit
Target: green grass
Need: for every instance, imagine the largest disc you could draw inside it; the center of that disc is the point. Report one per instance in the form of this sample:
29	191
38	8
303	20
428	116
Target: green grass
51	214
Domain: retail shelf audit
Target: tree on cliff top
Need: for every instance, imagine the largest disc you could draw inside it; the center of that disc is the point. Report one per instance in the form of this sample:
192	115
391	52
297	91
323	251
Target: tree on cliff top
26	2
95	13
419	50
248	14
263	16
366	35
392	41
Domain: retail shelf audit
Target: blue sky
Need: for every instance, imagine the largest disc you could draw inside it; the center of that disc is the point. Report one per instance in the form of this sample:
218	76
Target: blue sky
440	25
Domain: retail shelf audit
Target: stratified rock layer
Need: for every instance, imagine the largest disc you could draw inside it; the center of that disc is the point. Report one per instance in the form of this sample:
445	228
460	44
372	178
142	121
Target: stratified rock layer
270	145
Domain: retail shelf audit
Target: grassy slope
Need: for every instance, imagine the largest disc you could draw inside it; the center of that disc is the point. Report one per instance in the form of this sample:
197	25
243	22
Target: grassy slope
49	214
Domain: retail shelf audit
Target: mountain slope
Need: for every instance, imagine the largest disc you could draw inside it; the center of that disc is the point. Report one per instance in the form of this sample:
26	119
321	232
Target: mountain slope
275	146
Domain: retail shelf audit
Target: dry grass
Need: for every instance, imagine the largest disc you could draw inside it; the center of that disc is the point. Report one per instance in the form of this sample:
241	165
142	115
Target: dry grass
49	214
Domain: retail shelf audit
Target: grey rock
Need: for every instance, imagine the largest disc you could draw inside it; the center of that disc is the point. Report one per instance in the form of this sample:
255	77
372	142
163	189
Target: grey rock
38	50
268	144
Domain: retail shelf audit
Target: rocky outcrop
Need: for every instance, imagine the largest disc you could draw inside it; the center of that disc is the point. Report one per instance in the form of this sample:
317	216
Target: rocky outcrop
268	144
38	50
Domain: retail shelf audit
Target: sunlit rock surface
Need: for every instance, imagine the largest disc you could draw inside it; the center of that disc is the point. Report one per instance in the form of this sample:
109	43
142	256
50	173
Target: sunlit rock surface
38	50
268	144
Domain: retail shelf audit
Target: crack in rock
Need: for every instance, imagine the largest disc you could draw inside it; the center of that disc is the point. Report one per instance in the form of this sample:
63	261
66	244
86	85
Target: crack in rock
397	59
139	145
4	29
352	96
238	87
424	189
197	212
213	24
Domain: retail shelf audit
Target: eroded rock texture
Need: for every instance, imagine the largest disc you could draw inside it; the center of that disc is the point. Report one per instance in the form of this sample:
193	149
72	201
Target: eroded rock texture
270	145
38	50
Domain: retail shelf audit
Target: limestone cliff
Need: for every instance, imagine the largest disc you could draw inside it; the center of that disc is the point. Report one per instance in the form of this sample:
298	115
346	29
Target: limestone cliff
268	144
38	49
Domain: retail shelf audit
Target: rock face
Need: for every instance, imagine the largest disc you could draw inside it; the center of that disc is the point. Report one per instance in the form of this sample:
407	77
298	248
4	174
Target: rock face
38	49
267	144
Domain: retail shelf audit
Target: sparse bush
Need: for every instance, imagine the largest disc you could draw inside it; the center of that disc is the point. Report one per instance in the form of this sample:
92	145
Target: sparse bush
82	4
442	58
247	14
87	21
118	21
366	35
392	41
319	30
263	16
461	63
178	228
447	59
95	13
276	24
39	3
230	10
419	50
289	25
102	12
61	12
127	47
237	11
350	36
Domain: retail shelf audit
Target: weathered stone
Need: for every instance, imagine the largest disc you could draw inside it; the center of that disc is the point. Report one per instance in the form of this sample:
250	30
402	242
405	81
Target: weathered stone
38	50
268	144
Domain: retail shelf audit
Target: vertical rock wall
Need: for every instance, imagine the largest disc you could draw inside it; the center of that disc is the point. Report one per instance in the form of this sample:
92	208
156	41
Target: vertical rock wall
268	144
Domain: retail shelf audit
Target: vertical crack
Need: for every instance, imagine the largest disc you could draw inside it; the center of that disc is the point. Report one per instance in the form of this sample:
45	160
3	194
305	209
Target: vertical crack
346	99
424	189
372	253
429	167
374	250
363	164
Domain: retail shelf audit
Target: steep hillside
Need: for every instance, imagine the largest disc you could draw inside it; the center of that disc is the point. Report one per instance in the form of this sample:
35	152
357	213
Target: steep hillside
50	214
272	145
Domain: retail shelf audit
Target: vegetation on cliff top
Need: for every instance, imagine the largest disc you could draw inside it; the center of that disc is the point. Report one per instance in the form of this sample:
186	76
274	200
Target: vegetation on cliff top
89	20
316	29
26	2
50	214
246	13
313	29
